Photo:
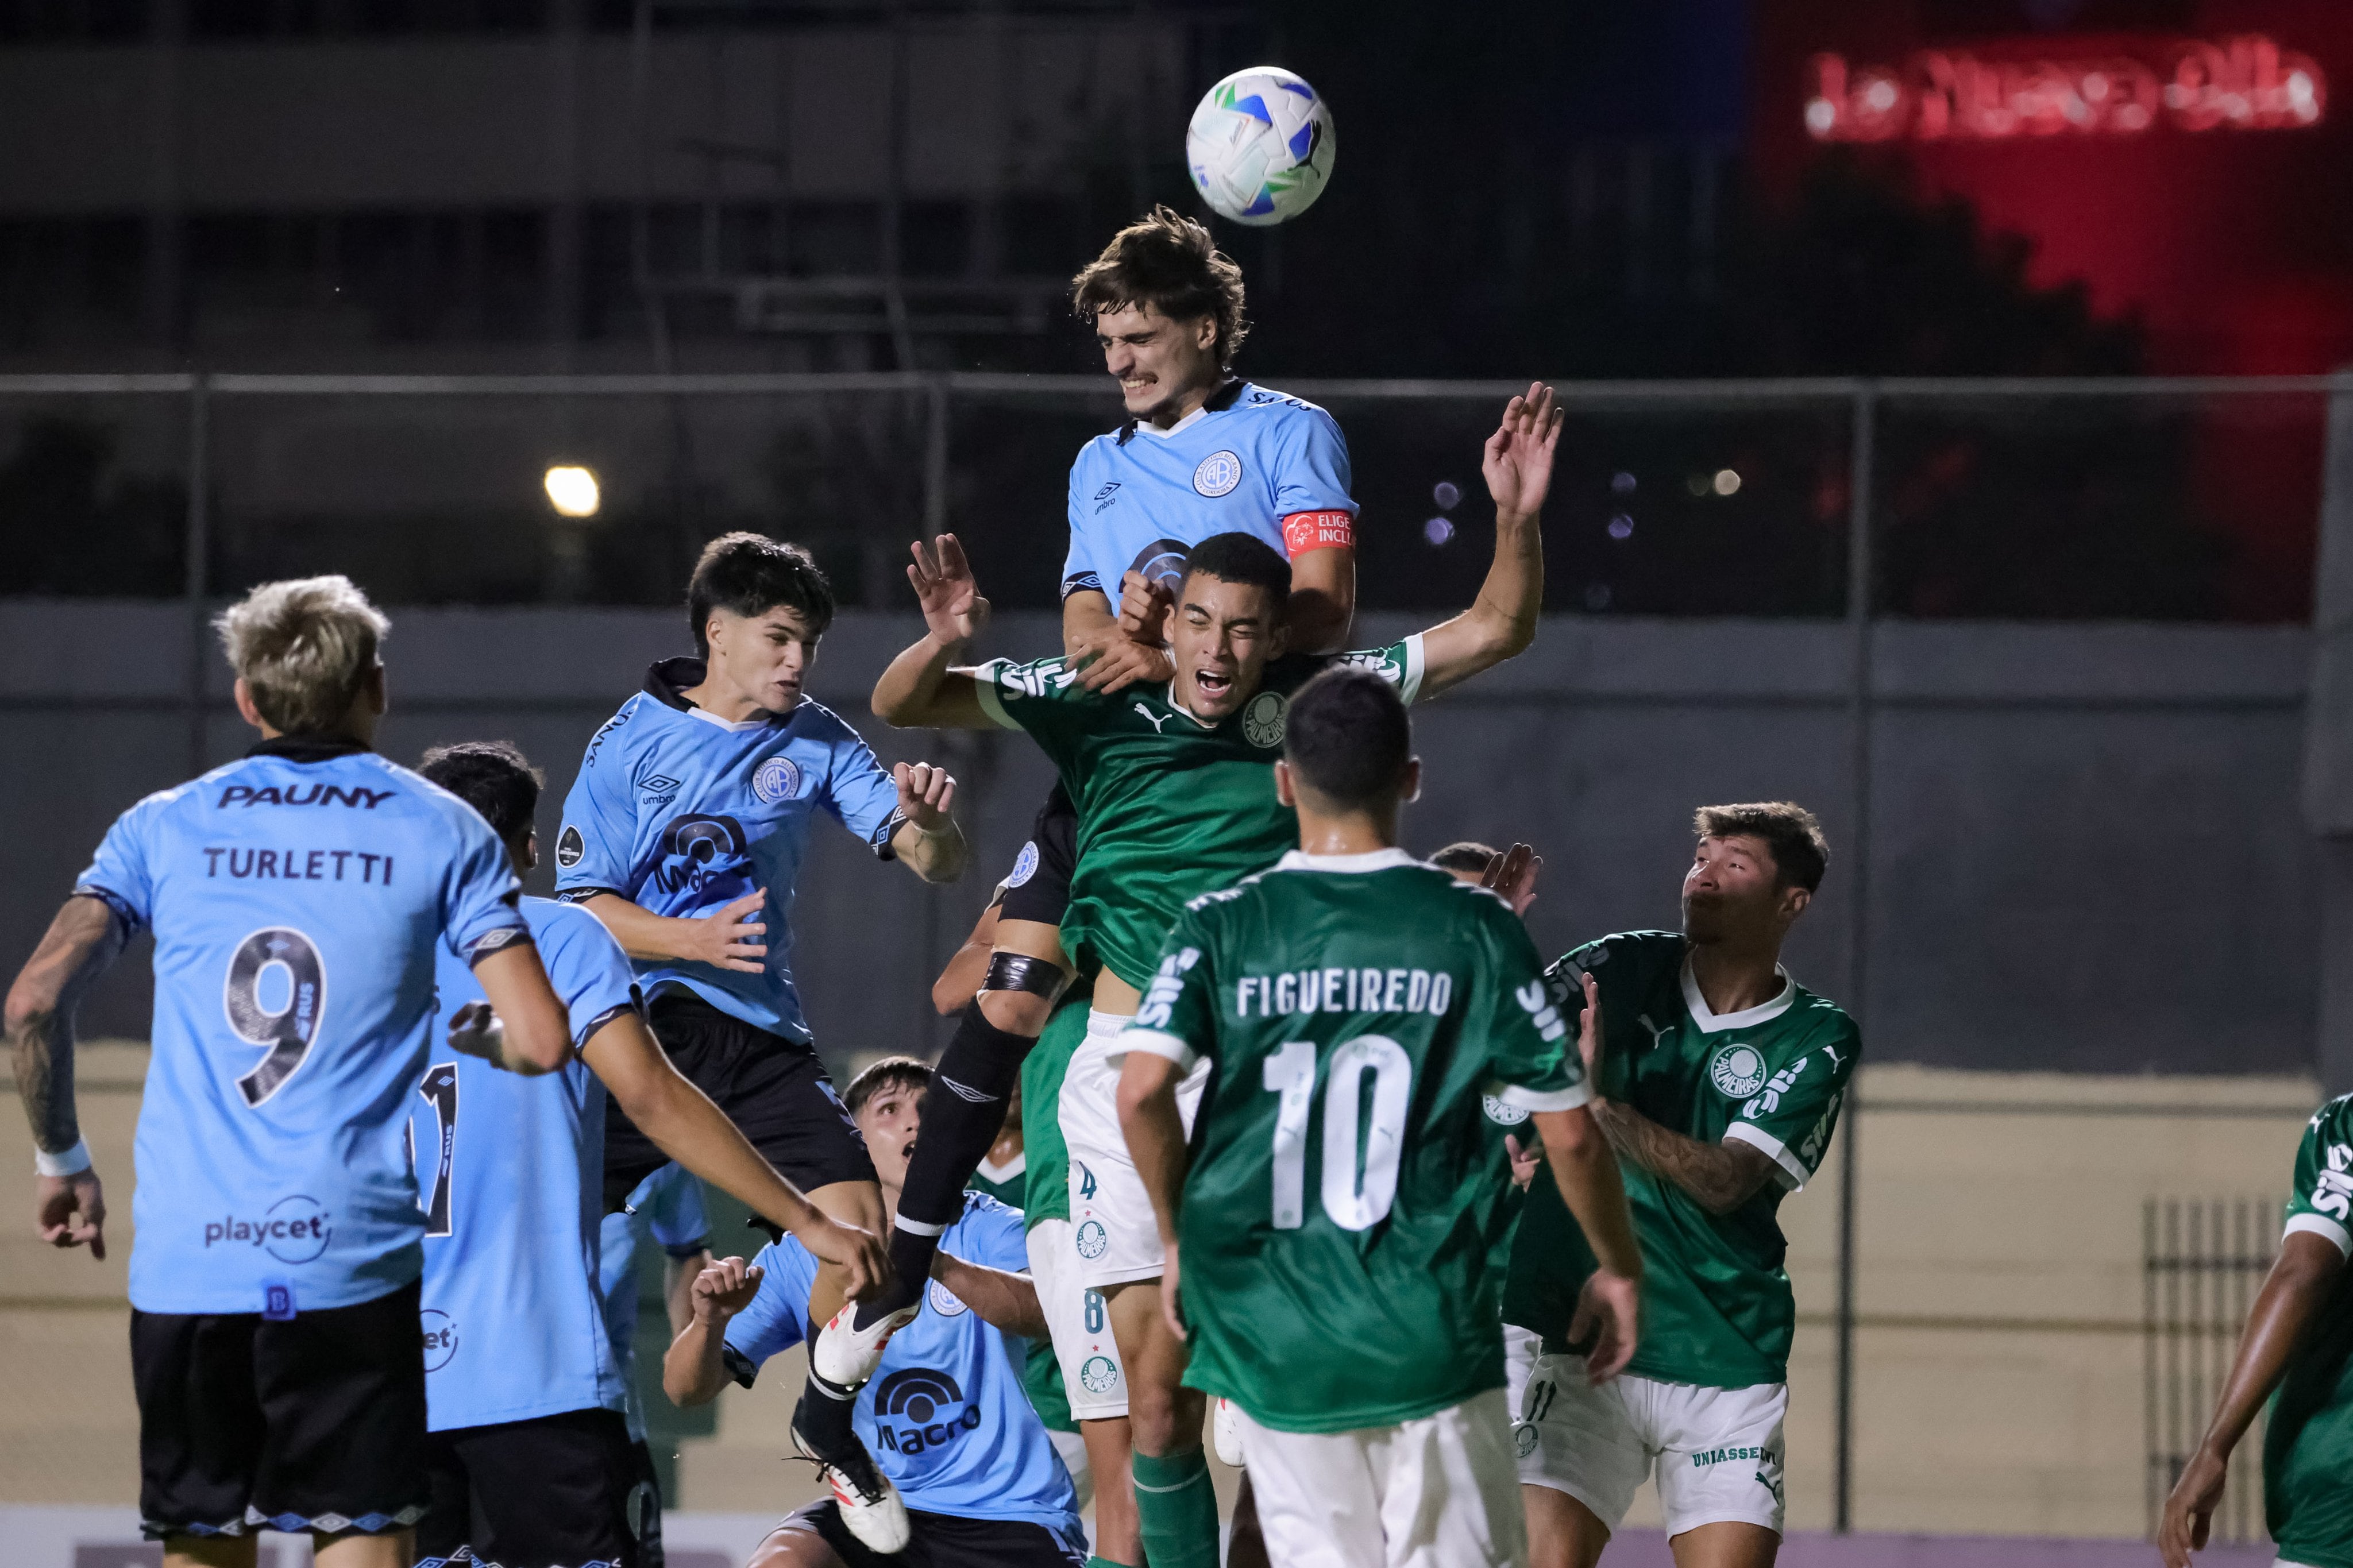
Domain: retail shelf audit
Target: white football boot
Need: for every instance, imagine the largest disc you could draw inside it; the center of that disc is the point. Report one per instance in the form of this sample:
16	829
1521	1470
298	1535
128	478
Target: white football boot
1226	1434
872	1509
846	1355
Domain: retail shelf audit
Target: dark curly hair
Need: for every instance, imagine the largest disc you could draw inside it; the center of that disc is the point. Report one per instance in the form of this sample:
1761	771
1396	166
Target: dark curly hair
1168	262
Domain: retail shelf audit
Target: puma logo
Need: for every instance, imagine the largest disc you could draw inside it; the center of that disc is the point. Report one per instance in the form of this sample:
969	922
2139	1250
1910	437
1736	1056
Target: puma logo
1157	719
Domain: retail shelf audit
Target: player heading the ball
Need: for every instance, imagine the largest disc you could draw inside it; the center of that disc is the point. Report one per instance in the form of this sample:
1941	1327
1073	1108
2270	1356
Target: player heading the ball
299	900
1356	1010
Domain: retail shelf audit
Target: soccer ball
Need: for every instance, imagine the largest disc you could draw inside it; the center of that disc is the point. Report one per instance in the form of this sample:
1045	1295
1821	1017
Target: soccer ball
1261	146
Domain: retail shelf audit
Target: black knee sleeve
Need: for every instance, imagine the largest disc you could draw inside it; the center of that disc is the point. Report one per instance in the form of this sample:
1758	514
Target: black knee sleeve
963	1113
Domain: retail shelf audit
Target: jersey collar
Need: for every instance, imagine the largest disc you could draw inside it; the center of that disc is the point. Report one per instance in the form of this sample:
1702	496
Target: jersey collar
307	748
1374	860
668	679
1217	402
1762	1013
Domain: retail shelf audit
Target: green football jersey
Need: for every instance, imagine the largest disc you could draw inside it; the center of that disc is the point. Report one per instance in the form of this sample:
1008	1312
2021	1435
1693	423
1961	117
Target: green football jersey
2308	1443
1169	808
1006	1187
1717	1311
1347	1192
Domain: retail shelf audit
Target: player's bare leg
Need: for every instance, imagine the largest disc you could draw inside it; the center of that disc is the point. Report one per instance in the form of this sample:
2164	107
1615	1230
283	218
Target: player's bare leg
1728	1544
1177	1508
851	1202
209	1552
795	1549
1109	1451
1563	1533
397	1551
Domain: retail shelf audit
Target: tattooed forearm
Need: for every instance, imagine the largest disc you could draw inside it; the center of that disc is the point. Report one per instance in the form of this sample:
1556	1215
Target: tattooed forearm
1719	1177
81	941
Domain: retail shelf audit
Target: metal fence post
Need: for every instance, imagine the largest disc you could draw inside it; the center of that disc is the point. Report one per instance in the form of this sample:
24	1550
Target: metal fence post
1858	931
199	549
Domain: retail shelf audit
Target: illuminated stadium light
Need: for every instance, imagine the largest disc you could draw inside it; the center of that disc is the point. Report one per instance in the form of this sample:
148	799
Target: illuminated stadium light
2244	83
1438	531
572	491
1727	481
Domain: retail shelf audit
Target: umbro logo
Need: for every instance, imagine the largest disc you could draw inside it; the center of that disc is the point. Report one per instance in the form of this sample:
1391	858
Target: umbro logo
1106	495
661	789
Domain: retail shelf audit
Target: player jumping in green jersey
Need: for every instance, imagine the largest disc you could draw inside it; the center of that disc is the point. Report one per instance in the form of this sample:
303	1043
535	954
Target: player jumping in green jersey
2299	1341
1718	1079
1176	797
1331	1236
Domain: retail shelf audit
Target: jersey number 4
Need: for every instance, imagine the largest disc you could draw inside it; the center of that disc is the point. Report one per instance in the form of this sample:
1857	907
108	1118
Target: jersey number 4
289	1032
1354	1198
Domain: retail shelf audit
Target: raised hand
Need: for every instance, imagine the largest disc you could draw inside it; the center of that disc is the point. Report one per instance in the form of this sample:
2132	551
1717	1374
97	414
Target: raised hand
1143	607
1588	1032
1517	460
1512	877
925	793
725	1288
864	1260
954	610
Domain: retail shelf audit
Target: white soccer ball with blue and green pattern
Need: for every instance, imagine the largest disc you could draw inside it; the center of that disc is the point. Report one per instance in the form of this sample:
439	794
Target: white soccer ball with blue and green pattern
1261	146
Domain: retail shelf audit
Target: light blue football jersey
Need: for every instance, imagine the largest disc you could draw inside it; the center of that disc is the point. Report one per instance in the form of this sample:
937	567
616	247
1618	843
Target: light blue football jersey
1250	457
946	1416
299	897
510	1173
682	814
668	1208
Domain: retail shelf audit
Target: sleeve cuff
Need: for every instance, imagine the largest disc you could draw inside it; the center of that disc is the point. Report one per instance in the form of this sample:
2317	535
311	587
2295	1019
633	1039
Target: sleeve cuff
1793	1175
589	1030
122	907
2321	1225
991	701
582	895
686	1249
1520	1097
740	1367
1409	689
880	842
1153	1043
497	940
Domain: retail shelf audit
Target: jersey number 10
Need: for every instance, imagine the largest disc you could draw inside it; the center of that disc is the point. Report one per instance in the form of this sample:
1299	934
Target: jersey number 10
1354	1199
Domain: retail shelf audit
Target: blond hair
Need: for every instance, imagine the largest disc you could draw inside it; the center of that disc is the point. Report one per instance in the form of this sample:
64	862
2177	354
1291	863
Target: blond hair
303	647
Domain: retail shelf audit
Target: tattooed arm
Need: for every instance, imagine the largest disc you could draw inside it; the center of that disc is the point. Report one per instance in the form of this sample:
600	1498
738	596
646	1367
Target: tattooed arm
1719	1177
86	936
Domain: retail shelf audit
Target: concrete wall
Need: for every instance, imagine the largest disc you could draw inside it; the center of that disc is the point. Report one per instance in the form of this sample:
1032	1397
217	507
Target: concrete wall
2086	853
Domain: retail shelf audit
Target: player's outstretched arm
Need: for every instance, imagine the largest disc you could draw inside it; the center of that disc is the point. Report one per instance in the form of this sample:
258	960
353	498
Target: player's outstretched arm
694	1369
1156	1140
685	1125
1003	1299
920	688
2299	1285
1502	621
68	1209
535	1029
928	843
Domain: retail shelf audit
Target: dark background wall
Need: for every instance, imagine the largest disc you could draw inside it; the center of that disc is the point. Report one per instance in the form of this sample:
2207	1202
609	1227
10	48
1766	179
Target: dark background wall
2085	854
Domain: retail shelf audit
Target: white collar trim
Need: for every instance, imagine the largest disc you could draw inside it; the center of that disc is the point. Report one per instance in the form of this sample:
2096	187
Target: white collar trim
1373	860
1762	1013
1145	426
738	726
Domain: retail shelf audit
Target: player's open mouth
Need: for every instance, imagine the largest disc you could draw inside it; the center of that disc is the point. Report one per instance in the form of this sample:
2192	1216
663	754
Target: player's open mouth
1212	683
1136	382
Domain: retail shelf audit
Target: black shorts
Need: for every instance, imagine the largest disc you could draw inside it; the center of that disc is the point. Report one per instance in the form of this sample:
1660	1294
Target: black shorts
555	1491
1038	886
772	1088
944	1540
316	1422
649	1536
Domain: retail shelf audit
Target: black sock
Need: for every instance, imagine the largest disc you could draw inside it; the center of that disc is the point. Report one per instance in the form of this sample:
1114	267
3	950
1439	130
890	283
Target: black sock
963	1113
824	1418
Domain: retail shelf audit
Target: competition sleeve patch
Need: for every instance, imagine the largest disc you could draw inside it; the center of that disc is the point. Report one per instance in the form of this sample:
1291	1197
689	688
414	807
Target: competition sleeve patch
1306	531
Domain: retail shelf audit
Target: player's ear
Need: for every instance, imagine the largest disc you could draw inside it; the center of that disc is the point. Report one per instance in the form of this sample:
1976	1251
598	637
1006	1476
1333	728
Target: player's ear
1205	332
245	708
1793	901
1284	791
372	689
1412	791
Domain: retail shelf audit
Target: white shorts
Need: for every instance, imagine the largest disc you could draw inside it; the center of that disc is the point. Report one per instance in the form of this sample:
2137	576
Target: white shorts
1093	1378
1715	1453
1116	1239
1436	1492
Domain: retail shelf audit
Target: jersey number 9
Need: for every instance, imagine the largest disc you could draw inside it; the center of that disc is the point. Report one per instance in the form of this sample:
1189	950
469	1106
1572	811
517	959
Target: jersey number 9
288	1033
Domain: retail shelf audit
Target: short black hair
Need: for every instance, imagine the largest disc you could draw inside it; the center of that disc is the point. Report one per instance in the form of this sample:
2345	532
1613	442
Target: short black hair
1465	855
1790	834
890	1072
491	776
1242	558
750	575
1348	738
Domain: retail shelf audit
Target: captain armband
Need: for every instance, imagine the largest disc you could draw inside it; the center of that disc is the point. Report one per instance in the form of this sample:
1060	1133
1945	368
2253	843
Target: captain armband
1306	531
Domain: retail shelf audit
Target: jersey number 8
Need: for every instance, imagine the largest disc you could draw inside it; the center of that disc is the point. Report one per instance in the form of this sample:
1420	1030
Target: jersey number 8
287	1032
1353	1200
